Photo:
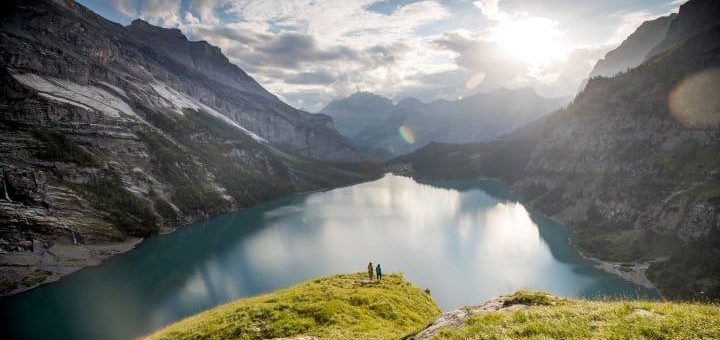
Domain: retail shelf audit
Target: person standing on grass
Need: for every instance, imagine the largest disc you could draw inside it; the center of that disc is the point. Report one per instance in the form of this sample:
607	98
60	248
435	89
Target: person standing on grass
370	271
378	272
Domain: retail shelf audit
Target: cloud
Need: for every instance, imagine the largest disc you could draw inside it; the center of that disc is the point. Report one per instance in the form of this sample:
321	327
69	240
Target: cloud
309	52
313	78
293	49
484	65
289	54
629	22
165	13
490	9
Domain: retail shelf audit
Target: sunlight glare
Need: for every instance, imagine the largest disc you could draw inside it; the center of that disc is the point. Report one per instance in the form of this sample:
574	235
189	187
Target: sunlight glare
407	134
694	101
535	40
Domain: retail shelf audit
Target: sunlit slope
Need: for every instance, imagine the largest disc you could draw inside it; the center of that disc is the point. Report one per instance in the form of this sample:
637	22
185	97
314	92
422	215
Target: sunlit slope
341	307
549	317
336	307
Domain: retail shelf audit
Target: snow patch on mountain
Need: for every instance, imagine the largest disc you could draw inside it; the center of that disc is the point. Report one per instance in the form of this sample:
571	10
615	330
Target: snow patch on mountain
83	96
177	101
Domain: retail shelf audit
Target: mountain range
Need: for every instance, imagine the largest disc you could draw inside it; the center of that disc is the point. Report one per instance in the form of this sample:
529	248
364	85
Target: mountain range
370	120
112	133
633	164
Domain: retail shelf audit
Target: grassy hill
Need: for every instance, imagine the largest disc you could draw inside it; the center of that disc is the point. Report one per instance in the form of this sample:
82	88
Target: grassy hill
343	307
336	307
549	317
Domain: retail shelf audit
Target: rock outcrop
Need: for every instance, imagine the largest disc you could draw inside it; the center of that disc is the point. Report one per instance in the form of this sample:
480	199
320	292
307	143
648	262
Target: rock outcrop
109	134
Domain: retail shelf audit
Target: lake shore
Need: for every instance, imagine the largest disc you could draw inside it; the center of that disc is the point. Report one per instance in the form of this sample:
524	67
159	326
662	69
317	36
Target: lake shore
23	271
631	271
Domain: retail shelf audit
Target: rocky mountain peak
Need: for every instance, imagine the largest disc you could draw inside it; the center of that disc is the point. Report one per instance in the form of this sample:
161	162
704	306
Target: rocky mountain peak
694	17
367	102
409	102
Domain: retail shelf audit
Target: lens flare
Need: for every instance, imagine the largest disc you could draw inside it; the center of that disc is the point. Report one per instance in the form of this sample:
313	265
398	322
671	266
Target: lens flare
694	101
407	134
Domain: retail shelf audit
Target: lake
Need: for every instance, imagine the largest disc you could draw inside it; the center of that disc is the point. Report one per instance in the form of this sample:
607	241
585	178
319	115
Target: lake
467	241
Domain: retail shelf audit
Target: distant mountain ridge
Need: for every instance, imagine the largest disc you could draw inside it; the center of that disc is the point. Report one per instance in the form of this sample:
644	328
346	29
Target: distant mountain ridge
358	111
373	121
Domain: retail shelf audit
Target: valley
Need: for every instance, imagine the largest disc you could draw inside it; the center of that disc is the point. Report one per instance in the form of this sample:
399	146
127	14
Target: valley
192	169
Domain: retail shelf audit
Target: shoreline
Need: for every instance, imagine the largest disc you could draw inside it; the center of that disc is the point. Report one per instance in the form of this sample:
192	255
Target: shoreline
34	269
631	271
25	271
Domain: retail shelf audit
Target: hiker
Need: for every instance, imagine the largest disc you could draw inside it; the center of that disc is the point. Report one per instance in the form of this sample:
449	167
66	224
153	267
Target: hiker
370	271
378	272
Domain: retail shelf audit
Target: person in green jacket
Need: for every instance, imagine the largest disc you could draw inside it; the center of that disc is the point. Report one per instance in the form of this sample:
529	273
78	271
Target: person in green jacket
370	273
378	272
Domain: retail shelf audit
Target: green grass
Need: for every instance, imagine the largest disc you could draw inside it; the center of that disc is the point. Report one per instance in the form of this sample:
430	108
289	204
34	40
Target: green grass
619	244
530	298
132	214
56	147
336	307
557	318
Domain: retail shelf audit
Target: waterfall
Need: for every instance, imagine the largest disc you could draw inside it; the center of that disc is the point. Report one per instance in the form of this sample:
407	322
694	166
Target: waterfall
7	196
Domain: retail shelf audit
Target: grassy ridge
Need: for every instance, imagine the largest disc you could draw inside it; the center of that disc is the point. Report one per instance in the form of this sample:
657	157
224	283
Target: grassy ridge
343	307
551	317
336	307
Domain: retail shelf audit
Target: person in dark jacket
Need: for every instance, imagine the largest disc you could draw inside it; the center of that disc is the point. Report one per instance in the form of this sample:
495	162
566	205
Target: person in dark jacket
378	272
370	271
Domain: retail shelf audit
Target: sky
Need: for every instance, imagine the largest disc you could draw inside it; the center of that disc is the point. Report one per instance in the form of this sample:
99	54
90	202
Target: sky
310	52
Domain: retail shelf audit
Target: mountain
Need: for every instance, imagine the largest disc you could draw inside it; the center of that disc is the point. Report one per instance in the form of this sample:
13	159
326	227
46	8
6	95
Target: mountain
358	111
633	50
372	121
698	16
110	134
632	164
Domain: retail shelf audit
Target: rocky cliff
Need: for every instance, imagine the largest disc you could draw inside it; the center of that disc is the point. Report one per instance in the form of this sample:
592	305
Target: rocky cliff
632	165
111	133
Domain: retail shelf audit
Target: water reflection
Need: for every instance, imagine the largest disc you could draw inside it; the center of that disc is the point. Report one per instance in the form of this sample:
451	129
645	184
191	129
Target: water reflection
466	241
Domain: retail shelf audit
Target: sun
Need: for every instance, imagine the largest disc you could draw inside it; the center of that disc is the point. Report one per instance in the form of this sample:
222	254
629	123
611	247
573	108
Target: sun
535	40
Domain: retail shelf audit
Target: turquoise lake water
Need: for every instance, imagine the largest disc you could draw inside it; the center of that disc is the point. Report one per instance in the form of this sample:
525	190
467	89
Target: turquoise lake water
467	241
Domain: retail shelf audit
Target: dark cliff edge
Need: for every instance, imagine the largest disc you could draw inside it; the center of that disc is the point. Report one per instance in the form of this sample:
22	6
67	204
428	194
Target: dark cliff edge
107	138
632	165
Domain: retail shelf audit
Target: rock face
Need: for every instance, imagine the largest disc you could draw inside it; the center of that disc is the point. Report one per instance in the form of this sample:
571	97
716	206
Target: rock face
695	17
459	317
373	121
636	179
634	49
109	134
